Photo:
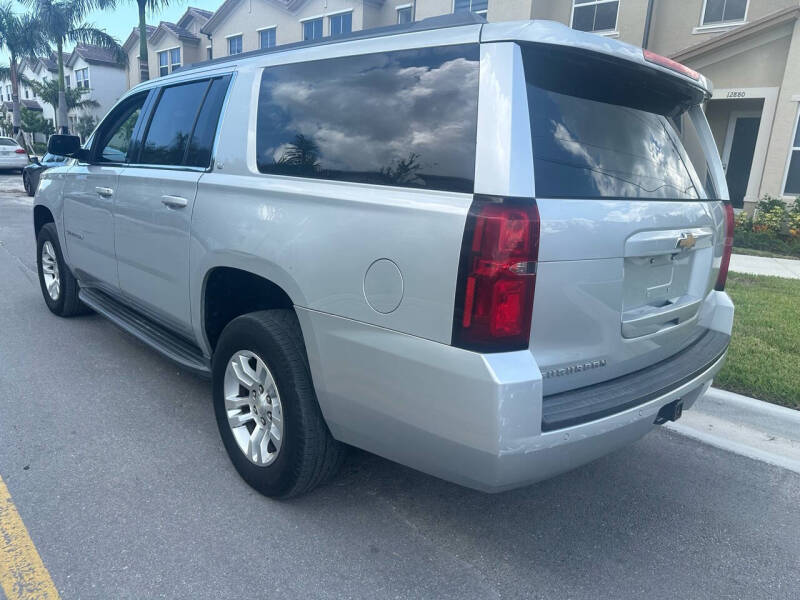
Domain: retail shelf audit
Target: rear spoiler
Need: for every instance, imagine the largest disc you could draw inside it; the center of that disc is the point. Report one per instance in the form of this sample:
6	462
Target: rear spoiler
558	34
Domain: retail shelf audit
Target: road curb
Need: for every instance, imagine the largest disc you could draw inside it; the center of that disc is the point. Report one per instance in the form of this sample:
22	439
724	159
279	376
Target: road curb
745	426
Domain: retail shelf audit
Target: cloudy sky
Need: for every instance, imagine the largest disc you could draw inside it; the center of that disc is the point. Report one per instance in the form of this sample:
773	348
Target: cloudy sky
122	19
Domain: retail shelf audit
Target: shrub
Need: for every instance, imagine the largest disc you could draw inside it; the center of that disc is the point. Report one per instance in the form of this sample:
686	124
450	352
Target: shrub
771	216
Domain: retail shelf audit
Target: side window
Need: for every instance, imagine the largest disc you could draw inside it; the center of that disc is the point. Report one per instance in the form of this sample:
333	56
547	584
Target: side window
182	128
114	138
327	119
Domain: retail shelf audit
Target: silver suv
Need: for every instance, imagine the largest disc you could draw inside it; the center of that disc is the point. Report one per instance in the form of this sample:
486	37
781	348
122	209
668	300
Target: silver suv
491	252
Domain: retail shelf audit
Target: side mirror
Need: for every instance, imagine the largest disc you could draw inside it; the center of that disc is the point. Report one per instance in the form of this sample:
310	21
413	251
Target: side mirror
66	145
35	159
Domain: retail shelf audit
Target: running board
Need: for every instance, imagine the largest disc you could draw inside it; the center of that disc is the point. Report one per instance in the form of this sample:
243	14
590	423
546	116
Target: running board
159	338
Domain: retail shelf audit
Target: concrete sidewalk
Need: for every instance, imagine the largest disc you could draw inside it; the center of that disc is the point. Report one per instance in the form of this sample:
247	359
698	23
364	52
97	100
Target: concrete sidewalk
762	265
745	426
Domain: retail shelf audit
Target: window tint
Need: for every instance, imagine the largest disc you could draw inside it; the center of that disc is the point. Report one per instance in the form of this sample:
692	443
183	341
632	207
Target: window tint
199	153
596	141
115	135
404	118
171	124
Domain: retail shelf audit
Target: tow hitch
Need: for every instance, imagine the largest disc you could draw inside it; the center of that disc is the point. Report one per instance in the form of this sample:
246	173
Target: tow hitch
670	412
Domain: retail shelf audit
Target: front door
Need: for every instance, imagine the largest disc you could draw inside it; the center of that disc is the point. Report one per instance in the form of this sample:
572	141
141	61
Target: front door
740	145
90	194
153	212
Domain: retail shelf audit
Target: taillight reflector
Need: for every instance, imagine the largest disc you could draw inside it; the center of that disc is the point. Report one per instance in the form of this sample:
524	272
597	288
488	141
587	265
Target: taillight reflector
497	275
670	64
727	249
19	151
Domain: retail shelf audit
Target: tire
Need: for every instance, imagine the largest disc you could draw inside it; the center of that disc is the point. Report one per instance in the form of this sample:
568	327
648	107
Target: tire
65	303
308	455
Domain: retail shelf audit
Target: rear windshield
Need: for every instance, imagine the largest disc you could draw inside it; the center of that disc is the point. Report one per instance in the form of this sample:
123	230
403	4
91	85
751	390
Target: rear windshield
604	129
7	142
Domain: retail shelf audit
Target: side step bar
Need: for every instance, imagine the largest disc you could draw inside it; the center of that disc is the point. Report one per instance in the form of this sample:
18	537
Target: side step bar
159	338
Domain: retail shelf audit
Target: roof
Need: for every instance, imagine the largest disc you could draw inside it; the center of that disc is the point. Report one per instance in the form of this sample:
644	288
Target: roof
195	13
133	38
50	62
94	55
227	7
179	32
29	104
770	21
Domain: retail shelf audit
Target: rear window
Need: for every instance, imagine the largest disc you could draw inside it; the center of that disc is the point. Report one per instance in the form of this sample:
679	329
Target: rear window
604	129
405	118
7	142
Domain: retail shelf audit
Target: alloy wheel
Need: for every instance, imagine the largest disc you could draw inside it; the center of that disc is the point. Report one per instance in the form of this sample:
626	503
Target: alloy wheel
253	407
52	279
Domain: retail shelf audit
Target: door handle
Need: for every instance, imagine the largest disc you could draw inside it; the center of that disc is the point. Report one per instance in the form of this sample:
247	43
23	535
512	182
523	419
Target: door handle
174	201
104	192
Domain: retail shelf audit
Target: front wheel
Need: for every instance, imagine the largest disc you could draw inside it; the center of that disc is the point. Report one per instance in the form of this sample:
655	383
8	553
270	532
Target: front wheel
59	286
266	407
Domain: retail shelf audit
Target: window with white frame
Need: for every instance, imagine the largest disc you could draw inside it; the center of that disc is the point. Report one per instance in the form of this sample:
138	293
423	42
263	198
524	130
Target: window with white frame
720	12
341	23
405	14
477	6
792	185
267	38
209	52
168	61
82	78
595	15
312	29
234	45
66	80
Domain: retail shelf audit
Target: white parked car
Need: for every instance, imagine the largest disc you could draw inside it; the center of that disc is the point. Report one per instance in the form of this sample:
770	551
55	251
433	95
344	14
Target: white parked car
12	155
489	251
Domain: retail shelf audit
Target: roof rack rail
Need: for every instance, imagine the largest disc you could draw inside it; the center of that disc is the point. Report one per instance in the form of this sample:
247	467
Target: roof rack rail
441	22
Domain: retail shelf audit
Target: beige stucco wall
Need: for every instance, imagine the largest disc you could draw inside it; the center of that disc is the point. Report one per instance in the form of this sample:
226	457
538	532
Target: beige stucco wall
785	115
191	52
251	15
133	65
675	22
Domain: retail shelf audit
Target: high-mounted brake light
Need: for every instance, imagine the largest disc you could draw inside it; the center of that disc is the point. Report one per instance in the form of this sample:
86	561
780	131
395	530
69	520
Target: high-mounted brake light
727	249
670	64
497	275
19	151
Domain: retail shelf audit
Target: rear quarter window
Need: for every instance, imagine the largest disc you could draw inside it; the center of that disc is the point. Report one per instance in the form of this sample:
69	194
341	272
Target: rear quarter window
405	118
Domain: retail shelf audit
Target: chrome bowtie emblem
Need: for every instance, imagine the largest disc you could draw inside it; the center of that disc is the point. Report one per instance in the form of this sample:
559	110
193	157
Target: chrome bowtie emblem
687	241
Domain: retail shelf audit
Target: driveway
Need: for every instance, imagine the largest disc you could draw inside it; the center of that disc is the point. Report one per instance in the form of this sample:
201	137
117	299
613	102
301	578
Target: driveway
113	460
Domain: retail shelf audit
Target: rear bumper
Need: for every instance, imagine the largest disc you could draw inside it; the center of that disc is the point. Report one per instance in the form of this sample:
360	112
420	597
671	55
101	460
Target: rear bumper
13	162
470	418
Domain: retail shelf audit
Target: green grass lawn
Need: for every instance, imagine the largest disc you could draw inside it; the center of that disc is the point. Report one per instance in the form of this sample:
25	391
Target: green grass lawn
752	252
764	356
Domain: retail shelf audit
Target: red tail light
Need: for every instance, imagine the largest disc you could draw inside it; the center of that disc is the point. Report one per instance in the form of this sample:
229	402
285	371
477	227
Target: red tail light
726	252
19	151
670	64
497	275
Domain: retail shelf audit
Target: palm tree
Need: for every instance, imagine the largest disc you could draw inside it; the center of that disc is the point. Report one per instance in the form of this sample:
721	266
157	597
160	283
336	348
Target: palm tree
21	36
144	6
48	91
62	21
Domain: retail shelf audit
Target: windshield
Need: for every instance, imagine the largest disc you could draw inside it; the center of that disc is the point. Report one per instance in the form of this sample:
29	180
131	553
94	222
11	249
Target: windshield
7	142
604	130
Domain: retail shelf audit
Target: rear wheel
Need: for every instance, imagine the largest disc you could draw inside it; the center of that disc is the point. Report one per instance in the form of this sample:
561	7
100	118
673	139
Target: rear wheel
59	287
266	407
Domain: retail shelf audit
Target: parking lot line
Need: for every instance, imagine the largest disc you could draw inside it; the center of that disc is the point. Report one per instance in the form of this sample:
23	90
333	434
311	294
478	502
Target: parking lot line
23	575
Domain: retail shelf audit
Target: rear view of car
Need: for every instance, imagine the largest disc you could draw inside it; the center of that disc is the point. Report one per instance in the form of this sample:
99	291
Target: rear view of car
12	155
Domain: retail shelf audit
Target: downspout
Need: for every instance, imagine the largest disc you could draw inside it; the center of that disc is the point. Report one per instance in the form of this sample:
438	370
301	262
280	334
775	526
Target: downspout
647	20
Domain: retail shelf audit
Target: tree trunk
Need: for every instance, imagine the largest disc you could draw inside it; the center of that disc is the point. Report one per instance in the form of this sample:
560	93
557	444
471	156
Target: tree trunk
62	96
16	114
144	70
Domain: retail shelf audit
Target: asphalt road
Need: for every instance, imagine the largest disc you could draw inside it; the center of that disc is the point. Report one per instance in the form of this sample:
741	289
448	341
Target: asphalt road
112	457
